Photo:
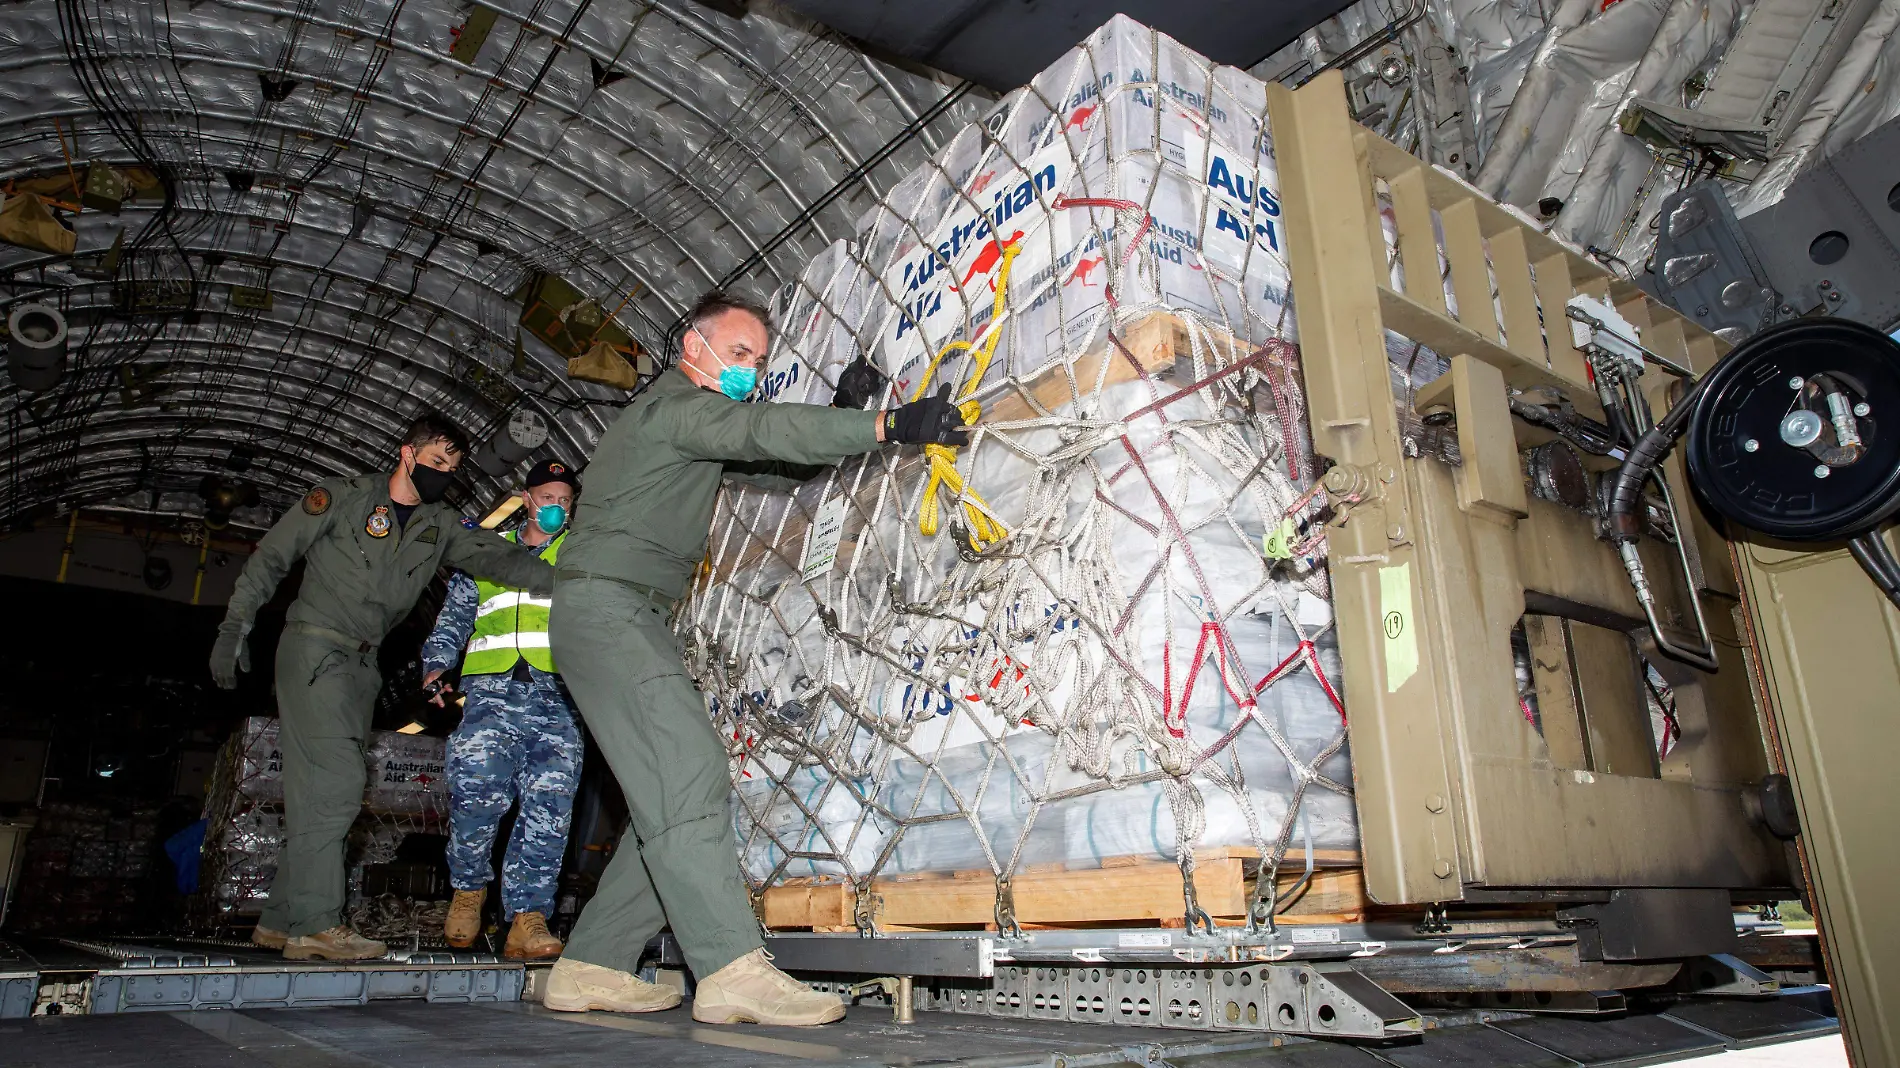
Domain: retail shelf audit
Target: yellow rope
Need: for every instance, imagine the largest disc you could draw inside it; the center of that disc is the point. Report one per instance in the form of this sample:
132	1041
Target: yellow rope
984	528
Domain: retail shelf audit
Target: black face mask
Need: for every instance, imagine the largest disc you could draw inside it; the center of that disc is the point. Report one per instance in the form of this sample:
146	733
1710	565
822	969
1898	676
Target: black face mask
431	485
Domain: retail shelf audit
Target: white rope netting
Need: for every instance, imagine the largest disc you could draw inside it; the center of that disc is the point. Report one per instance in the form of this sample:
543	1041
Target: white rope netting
1102	628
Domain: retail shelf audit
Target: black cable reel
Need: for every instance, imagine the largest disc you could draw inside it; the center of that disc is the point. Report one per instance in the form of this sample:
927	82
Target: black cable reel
1795	434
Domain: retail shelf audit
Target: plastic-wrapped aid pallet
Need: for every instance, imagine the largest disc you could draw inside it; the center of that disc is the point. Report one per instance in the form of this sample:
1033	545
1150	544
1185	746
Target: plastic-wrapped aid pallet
1100	630
405	791
403	773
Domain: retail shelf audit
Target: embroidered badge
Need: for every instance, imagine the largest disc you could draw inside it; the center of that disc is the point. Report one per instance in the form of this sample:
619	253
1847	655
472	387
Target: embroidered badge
428	537
467	523
317	501
378	523
556	469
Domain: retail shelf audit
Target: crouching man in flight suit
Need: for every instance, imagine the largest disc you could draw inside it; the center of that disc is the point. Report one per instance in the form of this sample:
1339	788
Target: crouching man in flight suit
518	738
637	538
369	545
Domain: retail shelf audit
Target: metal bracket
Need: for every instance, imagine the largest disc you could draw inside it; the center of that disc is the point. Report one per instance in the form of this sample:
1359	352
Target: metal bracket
1006	923
896	987
1725	975
1260	906
1196	917
756	895
1333	1000
864	910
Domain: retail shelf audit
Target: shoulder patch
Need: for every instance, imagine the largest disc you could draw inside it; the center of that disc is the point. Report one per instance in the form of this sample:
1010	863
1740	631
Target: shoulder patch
317	501
469	524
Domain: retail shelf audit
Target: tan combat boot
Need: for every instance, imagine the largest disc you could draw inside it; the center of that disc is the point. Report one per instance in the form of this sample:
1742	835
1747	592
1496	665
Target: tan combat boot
530	939
465	918
574	986
337	943
268	937
752	990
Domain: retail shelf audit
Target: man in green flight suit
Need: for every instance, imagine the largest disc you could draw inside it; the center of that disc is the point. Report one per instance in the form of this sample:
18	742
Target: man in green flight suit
636	539
369	545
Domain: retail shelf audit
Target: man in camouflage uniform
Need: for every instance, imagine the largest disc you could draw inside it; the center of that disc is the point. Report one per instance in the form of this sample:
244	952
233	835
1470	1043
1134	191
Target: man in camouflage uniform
369	545
518	738
636	541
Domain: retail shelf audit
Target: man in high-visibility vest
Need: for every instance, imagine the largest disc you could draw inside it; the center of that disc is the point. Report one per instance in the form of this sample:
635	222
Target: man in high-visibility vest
518	740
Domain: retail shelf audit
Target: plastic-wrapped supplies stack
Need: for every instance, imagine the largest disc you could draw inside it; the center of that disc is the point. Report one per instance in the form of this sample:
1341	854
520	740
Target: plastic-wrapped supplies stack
84	868
405	792
1102	629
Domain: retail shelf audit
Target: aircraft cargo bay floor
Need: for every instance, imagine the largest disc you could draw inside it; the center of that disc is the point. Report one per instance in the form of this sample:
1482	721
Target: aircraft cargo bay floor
508	1034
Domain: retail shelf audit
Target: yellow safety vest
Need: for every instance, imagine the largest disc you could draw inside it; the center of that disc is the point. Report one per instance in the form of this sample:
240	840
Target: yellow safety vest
510	625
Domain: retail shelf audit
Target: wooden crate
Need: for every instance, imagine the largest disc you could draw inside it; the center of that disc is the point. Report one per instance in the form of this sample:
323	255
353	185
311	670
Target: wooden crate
1124	891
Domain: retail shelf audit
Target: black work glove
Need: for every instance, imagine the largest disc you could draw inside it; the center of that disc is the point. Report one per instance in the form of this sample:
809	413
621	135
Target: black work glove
930	421
230	654
858	385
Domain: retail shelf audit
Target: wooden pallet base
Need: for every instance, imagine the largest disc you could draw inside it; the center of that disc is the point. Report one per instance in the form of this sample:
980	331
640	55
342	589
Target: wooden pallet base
1126	891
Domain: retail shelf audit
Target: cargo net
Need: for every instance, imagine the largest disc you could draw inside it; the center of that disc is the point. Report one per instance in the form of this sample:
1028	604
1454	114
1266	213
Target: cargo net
1103	628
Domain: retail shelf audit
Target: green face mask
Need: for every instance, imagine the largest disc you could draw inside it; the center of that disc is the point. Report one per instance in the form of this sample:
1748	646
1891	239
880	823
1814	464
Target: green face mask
550	518
735	382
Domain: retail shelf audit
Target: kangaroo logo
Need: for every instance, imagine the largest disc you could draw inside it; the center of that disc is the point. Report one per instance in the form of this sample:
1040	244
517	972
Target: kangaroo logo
986	261
1083	268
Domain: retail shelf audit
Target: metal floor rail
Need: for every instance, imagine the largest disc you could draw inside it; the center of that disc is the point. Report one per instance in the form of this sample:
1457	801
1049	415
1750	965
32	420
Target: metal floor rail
111	976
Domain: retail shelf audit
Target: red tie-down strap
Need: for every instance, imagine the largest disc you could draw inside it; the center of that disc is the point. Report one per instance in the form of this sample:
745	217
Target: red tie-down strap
1306	651
1147	220
737	734
1276	355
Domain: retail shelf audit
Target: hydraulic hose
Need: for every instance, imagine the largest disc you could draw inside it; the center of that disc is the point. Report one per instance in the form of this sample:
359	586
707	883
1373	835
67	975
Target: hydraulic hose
1641	463
1625	525
1874	557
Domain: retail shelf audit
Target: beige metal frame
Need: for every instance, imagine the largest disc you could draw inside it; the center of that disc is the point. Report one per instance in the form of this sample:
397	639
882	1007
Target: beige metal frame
1433	565
1828	649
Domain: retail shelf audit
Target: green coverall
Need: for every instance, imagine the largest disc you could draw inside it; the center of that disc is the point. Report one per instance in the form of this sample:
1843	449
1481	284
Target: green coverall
639	533
356	586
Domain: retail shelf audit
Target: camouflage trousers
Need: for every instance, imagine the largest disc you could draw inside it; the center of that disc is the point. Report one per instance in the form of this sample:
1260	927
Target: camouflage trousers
517	741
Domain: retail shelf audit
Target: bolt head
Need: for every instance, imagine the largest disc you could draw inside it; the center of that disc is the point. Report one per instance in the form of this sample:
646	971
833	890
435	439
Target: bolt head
1862	408
1797	382
1750	445
1822	471
1801	428
1442	869
1395	532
